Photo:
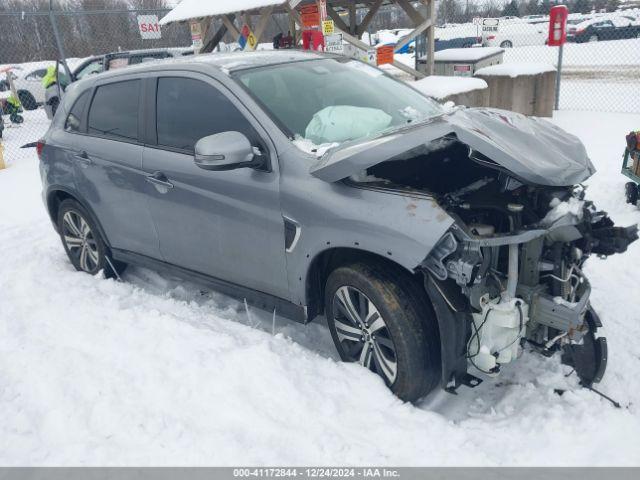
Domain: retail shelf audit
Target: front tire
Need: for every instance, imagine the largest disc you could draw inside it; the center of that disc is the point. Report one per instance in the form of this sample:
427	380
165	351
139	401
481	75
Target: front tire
82	241
506	44
27	100
379	317
631	192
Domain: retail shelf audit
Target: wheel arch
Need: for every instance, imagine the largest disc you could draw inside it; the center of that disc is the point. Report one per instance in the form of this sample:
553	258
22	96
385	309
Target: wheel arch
56	195
326	261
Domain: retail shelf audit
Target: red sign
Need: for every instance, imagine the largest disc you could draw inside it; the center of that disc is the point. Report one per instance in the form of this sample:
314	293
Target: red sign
385	54
310	16
558	25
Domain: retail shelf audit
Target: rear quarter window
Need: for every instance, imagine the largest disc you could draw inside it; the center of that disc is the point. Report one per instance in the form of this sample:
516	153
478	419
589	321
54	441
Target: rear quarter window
74	120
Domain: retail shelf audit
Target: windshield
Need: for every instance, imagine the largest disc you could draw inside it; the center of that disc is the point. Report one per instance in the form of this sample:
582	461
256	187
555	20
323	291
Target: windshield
328	101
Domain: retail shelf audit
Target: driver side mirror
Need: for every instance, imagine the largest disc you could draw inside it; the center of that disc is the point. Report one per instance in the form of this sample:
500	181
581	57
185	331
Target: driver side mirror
226	151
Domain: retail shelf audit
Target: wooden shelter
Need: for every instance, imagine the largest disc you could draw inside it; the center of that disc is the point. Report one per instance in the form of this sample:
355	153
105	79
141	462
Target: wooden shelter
202	16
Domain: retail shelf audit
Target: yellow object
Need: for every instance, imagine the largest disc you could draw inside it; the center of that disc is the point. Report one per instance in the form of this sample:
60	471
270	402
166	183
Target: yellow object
50	77
14	101
252	41
328	27
2	165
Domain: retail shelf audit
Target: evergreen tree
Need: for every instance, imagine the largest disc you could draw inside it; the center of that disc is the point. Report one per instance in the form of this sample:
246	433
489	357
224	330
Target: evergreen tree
613	5
511	9
530	8
544	7
582	6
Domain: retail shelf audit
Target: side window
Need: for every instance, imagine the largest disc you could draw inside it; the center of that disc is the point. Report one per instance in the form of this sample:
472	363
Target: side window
74	120
90	69
188	110
114	110
37	75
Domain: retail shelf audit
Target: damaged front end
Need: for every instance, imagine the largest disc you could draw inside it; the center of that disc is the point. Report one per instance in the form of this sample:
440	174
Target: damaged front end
511	270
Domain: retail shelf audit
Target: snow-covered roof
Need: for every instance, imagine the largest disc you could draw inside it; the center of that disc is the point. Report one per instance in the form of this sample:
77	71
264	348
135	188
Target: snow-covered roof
188	9
466	54
515	69
440	87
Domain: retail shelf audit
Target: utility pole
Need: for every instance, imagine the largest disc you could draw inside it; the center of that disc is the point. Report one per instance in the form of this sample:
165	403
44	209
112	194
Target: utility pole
56	34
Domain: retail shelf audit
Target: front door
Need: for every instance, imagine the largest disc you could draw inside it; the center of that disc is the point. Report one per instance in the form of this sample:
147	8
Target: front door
224	224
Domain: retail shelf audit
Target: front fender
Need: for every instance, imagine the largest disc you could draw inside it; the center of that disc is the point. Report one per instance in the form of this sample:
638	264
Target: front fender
401	227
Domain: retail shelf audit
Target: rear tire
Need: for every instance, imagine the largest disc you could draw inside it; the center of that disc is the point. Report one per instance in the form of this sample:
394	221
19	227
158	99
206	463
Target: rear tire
82	241
27	100
631	192
398	326
54	103
506	44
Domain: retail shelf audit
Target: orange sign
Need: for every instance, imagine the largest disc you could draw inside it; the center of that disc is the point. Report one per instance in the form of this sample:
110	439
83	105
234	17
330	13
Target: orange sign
310	16
385	54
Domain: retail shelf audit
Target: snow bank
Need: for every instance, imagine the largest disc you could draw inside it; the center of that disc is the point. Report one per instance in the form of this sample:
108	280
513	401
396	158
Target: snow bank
441	87
188	9
515	69
466	54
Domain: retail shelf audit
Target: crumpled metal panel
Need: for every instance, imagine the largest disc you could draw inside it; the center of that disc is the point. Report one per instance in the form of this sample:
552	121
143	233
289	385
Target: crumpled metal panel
534	150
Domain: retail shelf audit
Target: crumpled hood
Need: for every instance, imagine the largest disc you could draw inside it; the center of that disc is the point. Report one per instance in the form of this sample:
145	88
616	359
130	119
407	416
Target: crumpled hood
532	149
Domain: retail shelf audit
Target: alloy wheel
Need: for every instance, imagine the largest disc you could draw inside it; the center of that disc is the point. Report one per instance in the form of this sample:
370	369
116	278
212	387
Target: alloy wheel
80	241
363	334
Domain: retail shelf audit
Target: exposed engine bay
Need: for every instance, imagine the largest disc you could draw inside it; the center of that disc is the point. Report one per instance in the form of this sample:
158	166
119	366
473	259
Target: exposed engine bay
510	269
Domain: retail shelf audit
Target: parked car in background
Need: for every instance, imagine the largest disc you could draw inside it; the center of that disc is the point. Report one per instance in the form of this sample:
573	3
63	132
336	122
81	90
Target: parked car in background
28	83
457	36
603	28
111	61
457	42
433	242
535	18
518	35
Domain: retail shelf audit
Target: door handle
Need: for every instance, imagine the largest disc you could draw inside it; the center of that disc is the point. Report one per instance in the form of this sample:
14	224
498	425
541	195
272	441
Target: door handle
159	179
83	159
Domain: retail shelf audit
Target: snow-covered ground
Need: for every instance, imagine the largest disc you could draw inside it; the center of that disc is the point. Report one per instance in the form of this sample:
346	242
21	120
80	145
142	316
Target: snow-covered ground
157	371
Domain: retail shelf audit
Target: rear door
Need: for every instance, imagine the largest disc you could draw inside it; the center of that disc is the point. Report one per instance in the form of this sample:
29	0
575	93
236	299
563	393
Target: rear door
109	173
225	224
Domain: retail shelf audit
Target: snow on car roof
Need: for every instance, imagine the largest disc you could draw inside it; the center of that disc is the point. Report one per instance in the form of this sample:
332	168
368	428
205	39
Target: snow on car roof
466	54
228	62
188	9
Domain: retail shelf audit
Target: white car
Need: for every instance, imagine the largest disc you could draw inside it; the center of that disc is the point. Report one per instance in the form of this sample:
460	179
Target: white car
518	35
28	83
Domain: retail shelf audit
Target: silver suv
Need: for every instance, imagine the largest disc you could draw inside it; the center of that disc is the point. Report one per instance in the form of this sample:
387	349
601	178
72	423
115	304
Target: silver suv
437	244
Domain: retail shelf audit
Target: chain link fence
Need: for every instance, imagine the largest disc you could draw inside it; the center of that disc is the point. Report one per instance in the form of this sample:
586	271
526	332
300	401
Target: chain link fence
601	60
601	64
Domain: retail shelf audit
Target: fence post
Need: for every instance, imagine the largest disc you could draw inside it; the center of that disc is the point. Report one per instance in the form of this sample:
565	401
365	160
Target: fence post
56	34
558	77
